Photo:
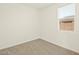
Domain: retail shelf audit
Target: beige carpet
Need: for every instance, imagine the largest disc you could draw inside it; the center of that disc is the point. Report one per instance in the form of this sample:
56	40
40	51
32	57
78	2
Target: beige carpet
36	47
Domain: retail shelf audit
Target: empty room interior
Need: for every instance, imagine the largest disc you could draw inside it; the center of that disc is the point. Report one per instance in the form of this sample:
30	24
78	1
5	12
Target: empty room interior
39	29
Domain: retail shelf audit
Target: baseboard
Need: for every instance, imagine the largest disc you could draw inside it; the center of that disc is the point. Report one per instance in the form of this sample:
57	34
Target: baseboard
43	40
17	43
61	46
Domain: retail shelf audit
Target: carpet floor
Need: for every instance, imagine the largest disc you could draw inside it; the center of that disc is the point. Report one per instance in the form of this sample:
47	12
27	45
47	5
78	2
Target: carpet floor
37	47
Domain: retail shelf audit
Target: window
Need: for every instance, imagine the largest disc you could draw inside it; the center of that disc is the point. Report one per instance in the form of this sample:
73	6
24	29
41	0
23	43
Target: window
66	16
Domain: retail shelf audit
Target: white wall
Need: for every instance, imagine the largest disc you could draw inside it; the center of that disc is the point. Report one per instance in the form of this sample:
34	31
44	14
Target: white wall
50	32
18	24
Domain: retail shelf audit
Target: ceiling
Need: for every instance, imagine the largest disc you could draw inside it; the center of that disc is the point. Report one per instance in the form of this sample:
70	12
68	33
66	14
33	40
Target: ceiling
38	5
62	4
34	5
42	5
